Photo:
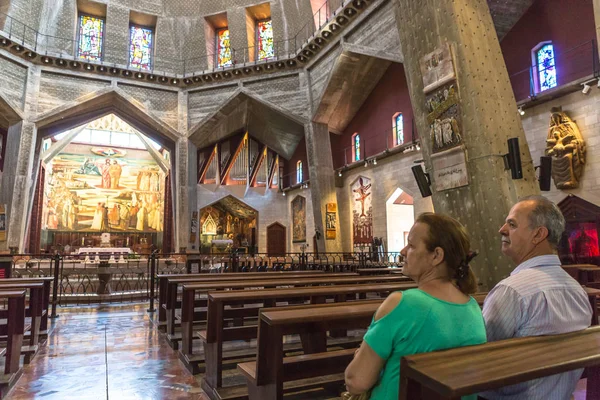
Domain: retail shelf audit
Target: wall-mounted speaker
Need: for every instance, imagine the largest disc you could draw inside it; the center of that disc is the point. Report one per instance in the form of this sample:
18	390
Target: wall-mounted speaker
422	180
545	173
514	158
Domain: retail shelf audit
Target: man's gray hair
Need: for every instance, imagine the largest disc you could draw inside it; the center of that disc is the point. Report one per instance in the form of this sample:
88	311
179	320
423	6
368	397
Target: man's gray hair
547	214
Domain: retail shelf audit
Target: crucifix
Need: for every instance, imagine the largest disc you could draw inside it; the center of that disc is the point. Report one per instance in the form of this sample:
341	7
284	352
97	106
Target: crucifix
363	193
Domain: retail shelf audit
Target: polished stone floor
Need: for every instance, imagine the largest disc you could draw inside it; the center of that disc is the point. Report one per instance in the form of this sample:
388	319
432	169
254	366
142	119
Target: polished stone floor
106	352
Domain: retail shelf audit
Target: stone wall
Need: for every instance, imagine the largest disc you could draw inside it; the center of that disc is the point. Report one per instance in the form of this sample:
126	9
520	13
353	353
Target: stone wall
57	89
379	31
203	102
388	175
13	82
287	92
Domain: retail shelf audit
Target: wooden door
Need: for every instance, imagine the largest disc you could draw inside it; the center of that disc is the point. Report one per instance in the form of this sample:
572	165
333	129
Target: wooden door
276	239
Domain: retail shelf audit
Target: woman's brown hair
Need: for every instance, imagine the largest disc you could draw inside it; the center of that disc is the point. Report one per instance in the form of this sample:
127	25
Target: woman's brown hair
450	235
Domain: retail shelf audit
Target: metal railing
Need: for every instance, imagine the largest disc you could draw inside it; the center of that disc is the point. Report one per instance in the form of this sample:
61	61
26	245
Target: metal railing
570	65
111	278
66	48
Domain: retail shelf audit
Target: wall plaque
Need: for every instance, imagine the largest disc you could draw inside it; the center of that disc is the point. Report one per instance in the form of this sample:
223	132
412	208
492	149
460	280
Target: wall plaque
450	169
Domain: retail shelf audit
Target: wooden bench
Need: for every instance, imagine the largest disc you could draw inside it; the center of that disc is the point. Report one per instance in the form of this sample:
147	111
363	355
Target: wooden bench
167	294
216	333
14	338
46	298
266	375
33	310
450	374
377	271
205	286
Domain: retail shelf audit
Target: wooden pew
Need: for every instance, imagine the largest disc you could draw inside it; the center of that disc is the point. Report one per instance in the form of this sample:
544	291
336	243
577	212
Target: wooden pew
14	340
378	271
453	373
34	311
165	294
46	299
216	333
266	375
303	280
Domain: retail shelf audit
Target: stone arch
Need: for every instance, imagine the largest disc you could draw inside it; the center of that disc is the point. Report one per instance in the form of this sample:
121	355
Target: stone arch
90	108
272	125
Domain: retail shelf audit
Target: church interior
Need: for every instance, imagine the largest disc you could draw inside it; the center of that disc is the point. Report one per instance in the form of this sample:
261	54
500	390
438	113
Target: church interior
213	200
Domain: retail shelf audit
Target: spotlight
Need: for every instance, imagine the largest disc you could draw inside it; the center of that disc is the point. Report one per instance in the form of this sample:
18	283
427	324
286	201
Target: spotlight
521	111
283	194
88	67
46	60
61	62
114	71
374	161
74	64
101	68
151	77
340	173
366	164
586	88
174	81
30	54
5	42
139	75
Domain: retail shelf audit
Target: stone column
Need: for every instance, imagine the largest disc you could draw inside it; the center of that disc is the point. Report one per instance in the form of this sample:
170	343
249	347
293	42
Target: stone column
488	114
322	181
20	171
180	186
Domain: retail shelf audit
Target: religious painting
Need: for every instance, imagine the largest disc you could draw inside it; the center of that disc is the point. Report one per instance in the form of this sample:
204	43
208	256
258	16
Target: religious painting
86	192
299	219
3	222
330	221
566	146
362	212
437	68
444	117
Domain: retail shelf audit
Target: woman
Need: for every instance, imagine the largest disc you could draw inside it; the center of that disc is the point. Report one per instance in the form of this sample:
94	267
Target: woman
439	314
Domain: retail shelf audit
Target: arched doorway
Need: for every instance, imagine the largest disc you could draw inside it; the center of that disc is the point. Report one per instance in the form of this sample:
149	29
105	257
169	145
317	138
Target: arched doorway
276	238
400	216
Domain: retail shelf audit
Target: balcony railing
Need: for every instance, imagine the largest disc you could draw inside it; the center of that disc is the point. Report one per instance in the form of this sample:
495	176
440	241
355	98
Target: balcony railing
66	48
575	63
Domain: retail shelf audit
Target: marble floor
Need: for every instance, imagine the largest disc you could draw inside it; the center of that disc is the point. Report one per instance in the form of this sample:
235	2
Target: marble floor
106	352
114	352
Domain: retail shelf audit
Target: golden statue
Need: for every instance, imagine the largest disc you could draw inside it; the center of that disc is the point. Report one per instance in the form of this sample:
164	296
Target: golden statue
567	148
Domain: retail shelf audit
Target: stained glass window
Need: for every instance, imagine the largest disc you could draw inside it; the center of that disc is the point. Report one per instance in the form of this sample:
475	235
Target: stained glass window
265	39
91	34
398	129
546	67
140	47
223	48
299	172
356	147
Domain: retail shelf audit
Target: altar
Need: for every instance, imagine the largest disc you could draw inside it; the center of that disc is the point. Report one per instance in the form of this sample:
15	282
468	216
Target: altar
103	250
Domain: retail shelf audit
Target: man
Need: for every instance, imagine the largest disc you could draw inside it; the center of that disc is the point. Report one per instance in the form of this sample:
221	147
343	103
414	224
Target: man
539	297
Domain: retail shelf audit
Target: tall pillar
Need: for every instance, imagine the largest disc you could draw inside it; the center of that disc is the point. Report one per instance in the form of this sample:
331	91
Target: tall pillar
322	182
182	220
487	117
596	5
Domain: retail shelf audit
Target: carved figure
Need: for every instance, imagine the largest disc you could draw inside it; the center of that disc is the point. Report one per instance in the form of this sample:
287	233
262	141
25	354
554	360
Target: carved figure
567	148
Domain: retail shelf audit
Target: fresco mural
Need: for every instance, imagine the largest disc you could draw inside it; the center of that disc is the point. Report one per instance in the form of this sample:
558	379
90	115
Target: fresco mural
103	193
299	219
362	212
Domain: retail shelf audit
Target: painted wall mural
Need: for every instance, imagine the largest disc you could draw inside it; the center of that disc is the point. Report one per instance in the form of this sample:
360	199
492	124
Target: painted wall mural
94	193
362	212
299	219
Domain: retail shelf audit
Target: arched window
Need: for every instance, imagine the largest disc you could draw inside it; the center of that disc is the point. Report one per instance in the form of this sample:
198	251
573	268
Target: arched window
356	147
398	129
545	66
299	172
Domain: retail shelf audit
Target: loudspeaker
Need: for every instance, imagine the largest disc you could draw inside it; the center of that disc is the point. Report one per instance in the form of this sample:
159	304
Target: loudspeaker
545	173
422	181
514	158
